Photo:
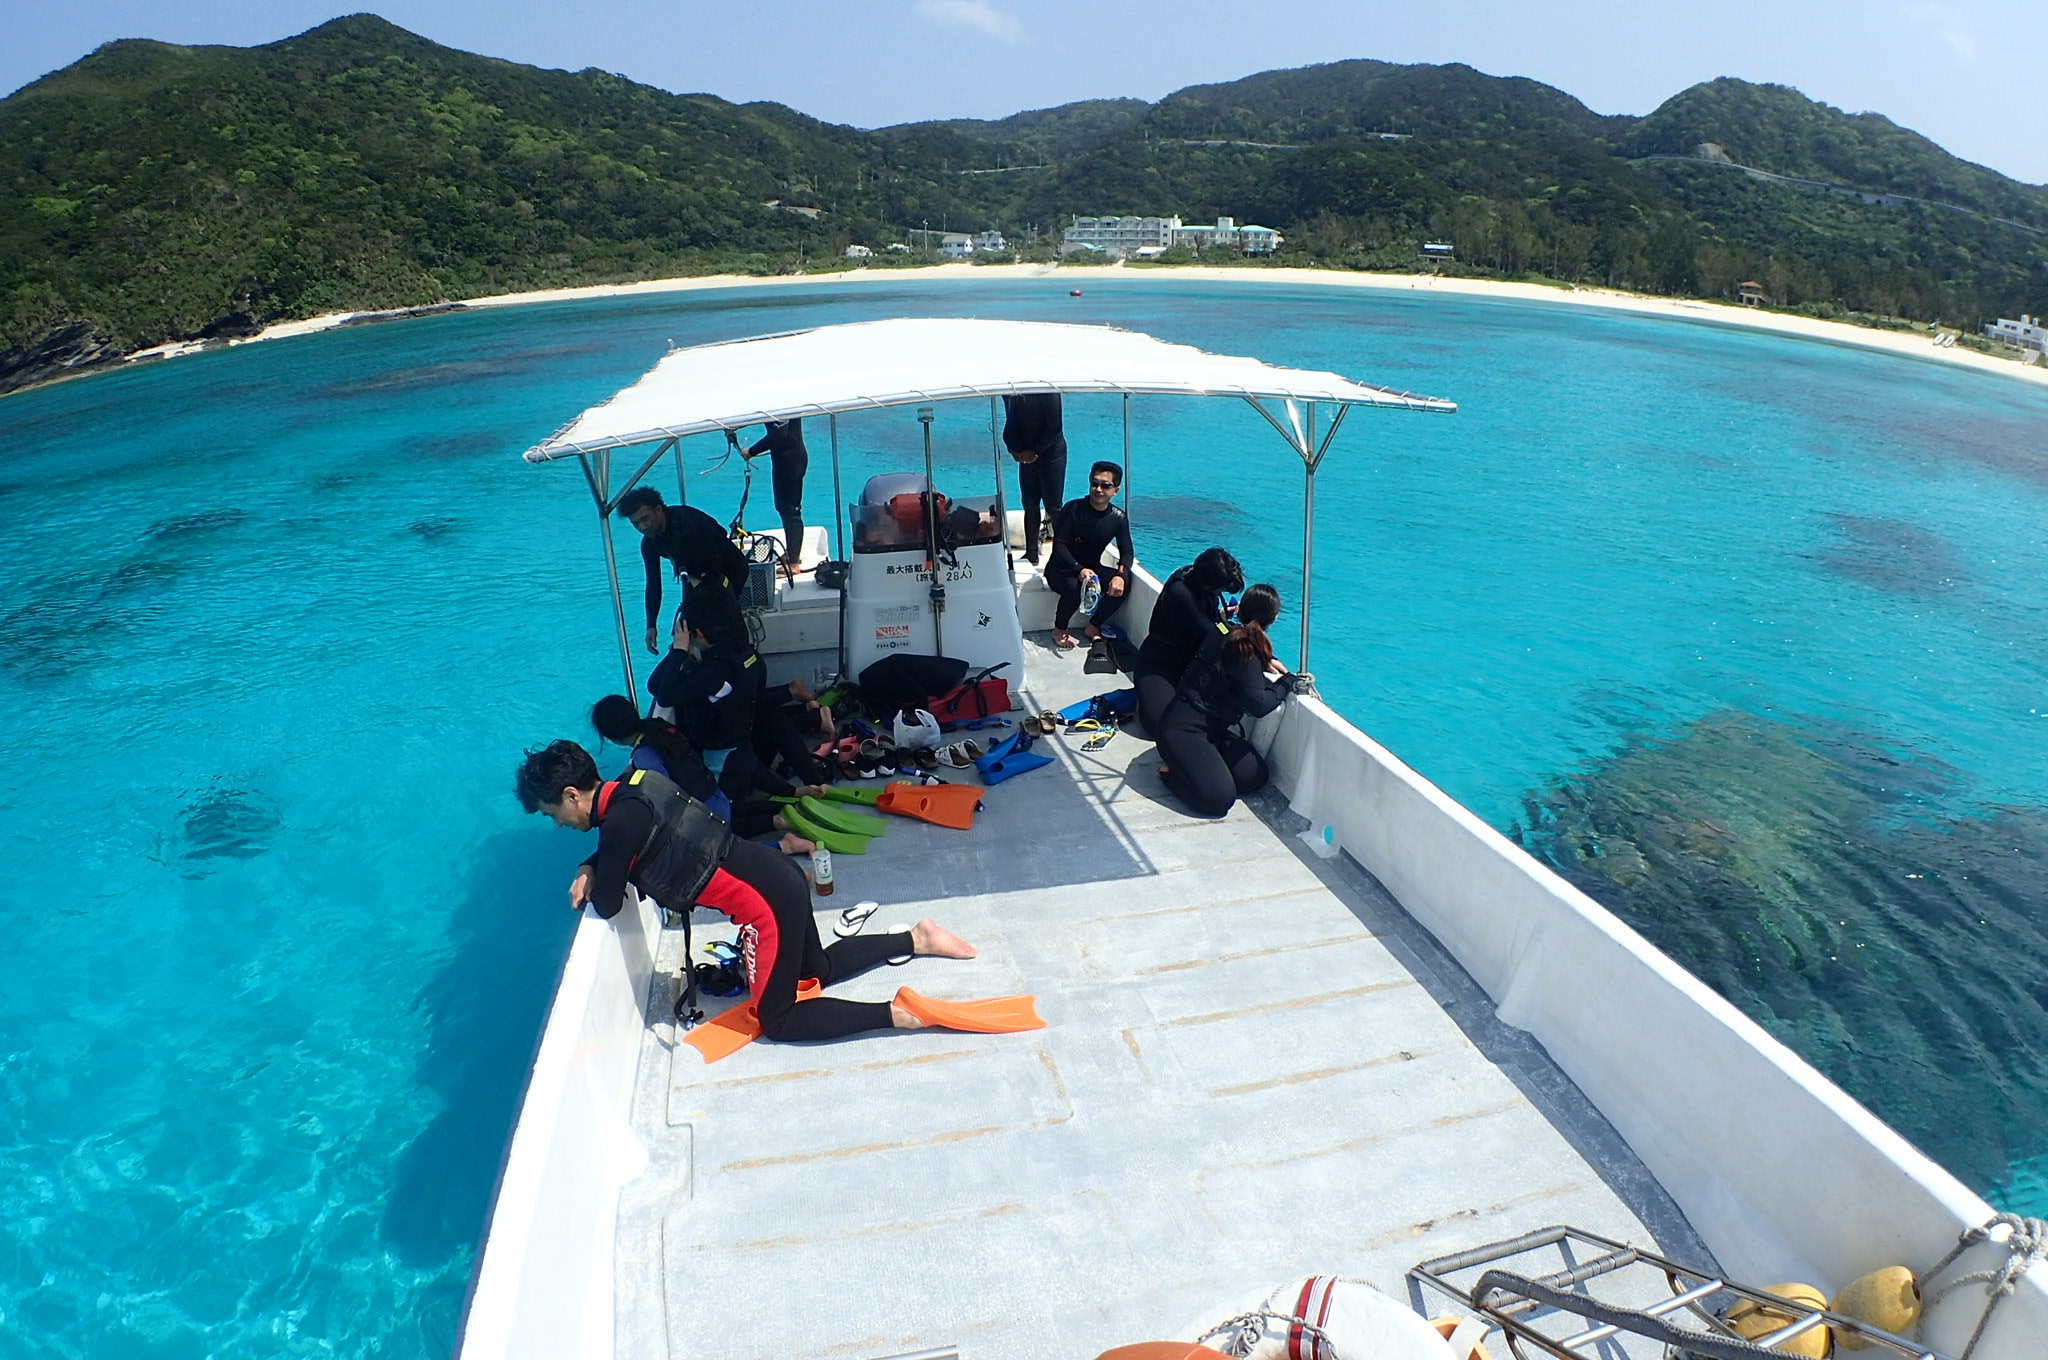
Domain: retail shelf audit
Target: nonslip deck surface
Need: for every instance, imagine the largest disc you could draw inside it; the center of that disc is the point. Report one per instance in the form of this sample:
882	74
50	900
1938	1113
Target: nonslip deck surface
1242	1081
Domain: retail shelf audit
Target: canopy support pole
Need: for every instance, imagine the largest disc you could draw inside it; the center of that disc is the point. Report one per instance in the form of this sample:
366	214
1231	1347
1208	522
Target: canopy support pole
937	592
1299	430
682	483
839	535
1308	536
612	503
600	479
995	454
1124	489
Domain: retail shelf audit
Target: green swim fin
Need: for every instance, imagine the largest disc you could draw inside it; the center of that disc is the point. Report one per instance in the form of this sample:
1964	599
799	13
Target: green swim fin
838	842
839	793
838	817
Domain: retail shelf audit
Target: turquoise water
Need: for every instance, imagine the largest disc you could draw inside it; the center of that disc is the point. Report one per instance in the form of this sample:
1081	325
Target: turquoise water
278	620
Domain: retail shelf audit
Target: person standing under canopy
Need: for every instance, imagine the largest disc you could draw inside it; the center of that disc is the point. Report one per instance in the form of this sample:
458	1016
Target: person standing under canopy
696	547
1081	535
788	460
1034	431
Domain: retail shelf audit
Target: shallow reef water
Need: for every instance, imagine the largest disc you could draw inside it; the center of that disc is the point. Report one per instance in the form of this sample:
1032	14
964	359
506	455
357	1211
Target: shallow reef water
1799	870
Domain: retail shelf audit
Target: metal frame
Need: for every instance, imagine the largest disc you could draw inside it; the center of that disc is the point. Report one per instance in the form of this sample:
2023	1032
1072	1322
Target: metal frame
1296	421
1515	1301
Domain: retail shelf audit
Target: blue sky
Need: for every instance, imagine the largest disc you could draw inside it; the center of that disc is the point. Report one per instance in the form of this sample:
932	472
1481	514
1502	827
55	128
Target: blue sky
1967	73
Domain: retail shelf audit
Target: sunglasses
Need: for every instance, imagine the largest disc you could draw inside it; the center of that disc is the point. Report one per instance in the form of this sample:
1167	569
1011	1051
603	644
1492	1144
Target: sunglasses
1103	483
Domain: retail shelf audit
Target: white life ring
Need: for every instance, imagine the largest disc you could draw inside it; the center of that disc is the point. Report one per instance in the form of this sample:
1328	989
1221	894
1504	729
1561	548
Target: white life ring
1322	1317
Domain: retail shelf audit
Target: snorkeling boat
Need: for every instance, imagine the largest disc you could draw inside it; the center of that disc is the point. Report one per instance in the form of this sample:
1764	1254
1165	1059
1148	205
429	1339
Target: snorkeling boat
1347	1033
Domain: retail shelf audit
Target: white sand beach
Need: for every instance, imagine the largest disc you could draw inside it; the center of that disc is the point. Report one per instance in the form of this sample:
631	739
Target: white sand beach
1910	344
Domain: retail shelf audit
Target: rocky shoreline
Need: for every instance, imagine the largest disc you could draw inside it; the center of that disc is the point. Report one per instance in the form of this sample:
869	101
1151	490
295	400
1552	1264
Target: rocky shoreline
78	347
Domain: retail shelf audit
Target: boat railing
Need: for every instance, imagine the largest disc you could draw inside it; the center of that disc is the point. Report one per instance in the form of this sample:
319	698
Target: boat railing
543	1282
1732	1123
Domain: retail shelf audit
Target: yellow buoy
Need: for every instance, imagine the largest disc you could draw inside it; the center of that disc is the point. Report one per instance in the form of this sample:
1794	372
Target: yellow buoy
1750	1320
1887	1298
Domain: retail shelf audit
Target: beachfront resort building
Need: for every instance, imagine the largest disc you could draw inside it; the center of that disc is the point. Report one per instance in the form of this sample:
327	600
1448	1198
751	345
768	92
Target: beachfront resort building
1151	235
2027	333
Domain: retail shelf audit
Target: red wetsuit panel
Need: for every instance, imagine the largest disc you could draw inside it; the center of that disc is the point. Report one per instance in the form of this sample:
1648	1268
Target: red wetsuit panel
739	900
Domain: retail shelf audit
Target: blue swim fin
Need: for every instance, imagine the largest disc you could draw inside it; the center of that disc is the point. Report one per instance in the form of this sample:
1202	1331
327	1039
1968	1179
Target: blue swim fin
1012	755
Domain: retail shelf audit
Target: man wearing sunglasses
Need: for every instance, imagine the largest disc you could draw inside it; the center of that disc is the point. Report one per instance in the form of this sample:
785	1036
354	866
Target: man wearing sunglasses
1081	535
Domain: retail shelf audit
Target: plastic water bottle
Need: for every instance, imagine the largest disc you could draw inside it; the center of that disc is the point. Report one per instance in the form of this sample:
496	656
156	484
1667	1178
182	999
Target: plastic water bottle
1321	841
821	871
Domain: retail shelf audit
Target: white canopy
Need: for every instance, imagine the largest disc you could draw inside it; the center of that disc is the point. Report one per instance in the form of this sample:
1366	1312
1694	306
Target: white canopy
872	364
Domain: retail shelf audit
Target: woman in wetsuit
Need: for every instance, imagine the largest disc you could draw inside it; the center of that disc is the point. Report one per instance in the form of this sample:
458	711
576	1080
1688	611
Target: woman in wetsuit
1204	761
673	849
1189	607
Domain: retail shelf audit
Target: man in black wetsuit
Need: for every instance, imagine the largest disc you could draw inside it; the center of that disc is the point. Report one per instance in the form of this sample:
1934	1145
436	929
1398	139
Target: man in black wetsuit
696	547
669	846
1082	530
1034	431
783	442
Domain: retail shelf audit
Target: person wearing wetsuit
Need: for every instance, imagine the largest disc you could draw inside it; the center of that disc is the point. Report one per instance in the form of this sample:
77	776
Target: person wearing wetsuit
789	460
714	687
1081	533
1203	760
1189	607
662	748
697	549
674	850
1034	431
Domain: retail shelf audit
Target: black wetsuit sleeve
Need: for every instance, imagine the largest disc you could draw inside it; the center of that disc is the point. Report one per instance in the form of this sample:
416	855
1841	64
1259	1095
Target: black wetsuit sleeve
1062	555
619	838
1261	693
1126	556
650	557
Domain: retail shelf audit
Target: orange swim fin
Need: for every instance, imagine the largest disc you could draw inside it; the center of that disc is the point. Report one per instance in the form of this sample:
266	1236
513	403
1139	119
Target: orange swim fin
997	1015
941	804
726	1034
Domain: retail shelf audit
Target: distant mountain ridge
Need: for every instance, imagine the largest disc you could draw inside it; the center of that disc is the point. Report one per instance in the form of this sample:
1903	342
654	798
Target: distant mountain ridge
163	192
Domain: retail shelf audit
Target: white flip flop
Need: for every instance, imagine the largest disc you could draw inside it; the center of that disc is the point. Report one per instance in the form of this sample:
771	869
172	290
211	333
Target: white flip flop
854	919
901	959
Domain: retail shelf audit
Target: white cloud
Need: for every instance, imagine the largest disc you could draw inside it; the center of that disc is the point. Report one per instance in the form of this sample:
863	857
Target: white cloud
978	16
1949	24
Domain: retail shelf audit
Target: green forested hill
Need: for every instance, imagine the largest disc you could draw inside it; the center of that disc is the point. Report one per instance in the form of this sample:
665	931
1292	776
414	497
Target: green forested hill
159	192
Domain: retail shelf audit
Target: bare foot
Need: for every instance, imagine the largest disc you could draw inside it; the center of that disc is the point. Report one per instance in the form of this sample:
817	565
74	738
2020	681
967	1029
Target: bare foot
903	1019
938	942
801	692
793	844
812	790
1092	632
1063	639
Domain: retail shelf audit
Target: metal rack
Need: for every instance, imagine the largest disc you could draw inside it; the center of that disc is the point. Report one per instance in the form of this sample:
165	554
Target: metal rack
1575	1295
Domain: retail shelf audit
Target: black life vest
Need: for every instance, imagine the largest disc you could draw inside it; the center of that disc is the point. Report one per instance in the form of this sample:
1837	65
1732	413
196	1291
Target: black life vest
715	698
1208	683
685	847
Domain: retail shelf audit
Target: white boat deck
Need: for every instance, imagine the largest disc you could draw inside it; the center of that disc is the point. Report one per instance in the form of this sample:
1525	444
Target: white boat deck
1256	1067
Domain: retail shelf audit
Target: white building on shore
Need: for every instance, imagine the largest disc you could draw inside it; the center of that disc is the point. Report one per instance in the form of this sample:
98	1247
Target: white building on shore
2027	333
1133	235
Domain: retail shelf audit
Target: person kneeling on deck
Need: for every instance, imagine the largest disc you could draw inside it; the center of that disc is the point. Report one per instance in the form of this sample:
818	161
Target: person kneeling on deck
1081	535
1203	760
673	849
